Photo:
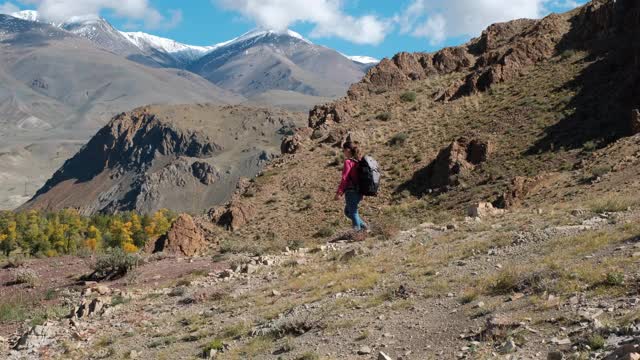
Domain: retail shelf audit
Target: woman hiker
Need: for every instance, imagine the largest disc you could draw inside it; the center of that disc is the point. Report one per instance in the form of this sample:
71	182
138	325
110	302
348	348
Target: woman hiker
349	185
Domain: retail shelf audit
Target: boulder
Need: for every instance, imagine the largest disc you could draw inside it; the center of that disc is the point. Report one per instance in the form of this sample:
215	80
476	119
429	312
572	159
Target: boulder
625	352
327	114
483	209
520	188
36	337
232	216
291	144
204	172
410	65
459	158
184	237
90	308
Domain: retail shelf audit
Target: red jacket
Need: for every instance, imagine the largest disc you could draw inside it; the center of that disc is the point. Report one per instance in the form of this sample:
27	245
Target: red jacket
349	176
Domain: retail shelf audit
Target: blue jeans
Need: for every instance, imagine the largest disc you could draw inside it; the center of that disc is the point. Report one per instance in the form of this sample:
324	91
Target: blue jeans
352	200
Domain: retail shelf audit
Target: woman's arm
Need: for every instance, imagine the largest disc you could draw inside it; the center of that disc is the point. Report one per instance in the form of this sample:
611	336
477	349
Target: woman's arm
346	170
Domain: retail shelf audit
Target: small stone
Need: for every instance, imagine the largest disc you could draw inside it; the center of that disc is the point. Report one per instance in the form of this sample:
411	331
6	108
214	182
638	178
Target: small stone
516	296
364	350
383	356
574	300
509	347
133	354
565	341
275	292
479	305
103	290
635	255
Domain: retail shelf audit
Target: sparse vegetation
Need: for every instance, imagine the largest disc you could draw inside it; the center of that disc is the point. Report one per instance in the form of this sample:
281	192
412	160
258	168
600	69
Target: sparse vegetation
385	116
408	96
612	203
27	276
398	139
114	264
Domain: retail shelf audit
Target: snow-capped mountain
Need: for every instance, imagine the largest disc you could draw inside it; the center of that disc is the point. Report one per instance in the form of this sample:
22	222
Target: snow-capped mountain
264	61
29	15
183	52
363	59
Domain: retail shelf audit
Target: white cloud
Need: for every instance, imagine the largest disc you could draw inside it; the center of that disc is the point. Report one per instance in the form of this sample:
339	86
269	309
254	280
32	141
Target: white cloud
438	20
135	10
8	8
327	16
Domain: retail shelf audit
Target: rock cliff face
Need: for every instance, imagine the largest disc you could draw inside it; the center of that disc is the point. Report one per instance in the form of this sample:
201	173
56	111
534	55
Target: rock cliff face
505	51
187	158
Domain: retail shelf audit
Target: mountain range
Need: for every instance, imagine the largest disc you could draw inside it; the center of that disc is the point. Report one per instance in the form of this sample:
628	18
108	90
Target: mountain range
62	81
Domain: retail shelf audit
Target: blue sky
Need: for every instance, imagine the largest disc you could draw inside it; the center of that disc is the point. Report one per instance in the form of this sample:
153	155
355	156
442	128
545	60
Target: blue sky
378	28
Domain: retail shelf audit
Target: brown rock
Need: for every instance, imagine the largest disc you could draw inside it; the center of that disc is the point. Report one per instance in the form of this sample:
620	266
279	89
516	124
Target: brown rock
184	238
457	159
409	65
232	216
452	59
328	114
625	352
483	209
521	187
291	144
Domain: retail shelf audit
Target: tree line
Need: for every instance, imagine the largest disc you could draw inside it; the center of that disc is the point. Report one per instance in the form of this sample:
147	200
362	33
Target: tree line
67	232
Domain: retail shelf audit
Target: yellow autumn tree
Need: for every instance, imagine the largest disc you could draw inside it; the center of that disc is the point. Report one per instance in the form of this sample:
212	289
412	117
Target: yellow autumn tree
162	222
94	238
121	232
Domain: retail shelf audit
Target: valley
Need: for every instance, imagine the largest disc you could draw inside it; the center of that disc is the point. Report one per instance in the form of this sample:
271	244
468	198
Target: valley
506	225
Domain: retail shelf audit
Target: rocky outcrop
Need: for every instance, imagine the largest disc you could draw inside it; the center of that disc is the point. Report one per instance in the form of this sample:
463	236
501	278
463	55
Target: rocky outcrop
132	141
38	336
90	308
450	165
456	160
184	238
167	156
328	114
520	188
204	172
232	216
291	144
483	209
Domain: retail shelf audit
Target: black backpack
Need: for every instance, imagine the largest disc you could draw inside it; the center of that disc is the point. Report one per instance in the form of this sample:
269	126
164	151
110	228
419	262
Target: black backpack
368	176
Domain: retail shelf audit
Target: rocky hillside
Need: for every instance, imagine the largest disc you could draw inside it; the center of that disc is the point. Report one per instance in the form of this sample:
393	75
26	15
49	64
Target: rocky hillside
141	158
506	226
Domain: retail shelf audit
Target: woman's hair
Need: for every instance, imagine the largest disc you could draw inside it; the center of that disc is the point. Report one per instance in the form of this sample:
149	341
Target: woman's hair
354	147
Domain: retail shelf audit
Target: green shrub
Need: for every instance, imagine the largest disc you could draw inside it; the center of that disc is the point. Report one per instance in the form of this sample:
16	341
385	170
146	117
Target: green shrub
596	342
408	96
114	264
27	276
308	356
614	278
398	139
599	171
589	146
325	232
567	54
385	116
216	345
